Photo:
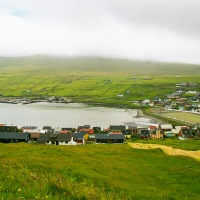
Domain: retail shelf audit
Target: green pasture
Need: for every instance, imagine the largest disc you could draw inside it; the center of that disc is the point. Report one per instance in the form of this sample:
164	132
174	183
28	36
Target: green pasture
95	172
184	116
94	79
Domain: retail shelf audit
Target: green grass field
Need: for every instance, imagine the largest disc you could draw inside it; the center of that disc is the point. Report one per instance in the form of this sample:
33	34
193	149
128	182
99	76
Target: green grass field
97	172
92	79
184	116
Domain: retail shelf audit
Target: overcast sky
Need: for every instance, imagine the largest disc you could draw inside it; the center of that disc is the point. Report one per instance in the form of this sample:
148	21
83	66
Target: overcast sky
162	30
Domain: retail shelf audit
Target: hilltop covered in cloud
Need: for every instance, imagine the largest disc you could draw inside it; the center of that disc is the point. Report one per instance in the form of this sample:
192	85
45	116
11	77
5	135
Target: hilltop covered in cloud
135	29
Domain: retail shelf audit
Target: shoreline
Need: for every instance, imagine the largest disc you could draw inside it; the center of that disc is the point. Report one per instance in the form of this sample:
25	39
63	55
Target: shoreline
23	100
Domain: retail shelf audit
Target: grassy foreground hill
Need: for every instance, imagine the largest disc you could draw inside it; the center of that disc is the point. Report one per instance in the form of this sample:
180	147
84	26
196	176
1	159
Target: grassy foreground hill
97	172
91	79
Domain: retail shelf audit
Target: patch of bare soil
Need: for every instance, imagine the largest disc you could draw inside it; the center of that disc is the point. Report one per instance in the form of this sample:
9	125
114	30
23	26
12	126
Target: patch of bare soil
168	150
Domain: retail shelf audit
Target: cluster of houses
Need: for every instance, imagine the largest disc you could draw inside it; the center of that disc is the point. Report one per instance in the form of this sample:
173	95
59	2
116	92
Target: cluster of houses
51	99
85	134
186	97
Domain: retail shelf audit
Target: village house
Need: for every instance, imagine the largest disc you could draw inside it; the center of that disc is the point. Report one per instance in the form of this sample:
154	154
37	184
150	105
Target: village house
127	133
35	136
56	139
133	129
197	132
83	127
165	127
80	137
5	128
169	134
120	95
29	128
87	130
117	127
176	130
186	133
144	134
91	139
97	129
66	130
46	129
9	137
156	134
34	132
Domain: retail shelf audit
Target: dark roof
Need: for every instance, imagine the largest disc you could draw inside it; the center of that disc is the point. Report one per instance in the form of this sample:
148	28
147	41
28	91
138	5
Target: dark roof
117	127
110	136
66	129
29	127
145	132
44	137
155	130
64	137
78	135
85	126
8	129
127	132
56	137
14	135
132	127
46	127
186	131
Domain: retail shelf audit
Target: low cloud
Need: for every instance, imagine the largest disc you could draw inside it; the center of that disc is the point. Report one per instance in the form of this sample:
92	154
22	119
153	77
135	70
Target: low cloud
135	29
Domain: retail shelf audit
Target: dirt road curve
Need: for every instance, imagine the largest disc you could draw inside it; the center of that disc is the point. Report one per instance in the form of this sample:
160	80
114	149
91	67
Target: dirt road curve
168	150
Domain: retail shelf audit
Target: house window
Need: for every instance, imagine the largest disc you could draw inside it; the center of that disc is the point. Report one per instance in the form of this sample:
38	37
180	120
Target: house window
66	142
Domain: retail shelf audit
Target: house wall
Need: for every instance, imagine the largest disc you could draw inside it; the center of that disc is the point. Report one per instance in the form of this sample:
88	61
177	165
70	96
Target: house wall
105	141
58	143
48	143
12	140
79	141
63	143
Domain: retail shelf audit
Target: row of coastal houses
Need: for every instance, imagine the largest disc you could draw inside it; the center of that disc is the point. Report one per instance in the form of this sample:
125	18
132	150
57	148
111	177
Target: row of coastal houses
115	134
168	131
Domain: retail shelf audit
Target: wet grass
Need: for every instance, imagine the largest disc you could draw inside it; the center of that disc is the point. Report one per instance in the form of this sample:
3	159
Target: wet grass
95	172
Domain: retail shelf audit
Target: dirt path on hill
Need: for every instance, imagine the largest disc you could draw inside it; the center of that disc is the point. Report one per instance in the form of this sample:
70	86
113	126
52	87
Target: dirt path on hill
168	150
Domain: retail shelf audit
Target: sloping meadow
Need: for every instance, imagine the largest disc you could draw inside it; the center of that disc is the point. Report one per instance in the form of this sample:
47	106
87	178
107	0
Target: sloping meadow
95	172
92	79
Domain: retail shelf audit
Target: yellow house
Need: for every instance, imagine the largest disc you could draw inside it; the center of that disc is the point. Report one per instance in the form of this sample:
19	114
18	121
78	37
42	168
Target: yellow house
156	134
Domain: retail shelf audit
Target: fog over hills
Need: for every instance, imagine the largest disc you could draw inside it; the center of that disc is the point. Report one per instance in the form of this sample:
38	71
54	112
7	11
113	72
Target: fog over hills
166	31
96	64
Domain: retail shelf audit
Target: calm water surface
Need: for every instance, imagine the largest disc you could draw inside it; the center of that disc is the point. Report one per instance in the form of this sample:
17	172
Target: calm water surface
67	115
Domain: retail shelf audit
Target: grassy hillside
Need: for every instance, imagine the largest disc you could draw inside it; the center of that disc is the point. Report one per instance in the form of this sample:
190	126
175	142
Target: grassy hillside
95	172
91	79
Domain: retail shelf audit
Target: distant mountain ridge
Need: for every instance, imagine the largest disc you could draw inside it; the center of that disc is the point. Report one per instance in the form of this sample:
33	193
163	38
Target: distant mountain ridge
99	63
